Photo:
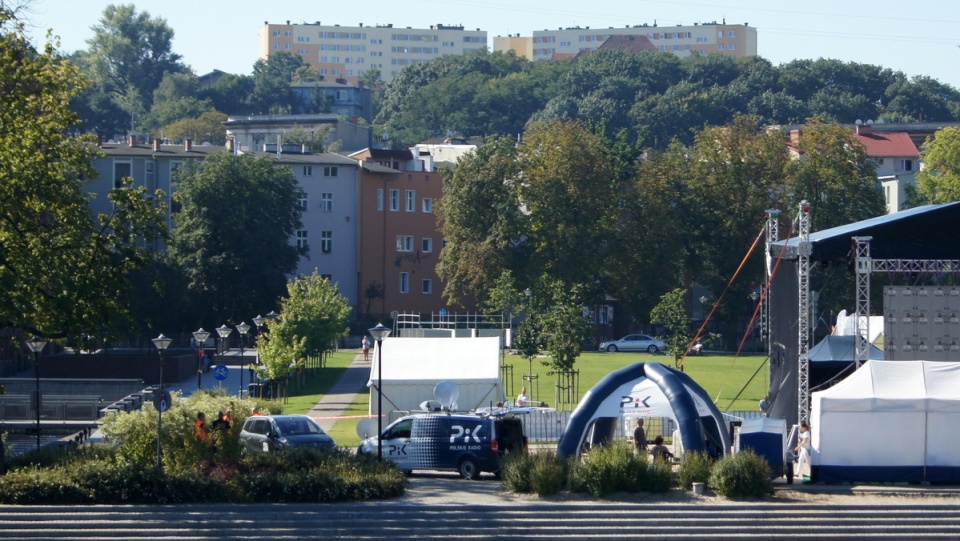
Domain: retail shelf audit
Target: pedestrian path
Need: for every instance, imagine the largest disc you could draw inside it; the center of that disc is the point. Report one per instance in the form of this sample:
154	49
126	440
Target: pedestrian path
331	407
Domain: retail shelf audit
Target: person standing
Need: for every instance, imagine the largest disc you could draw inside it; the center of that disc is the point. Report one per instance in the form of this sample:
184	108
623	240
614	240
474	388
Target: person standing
640	437
803	450
365	346
522	398
764	404
200	429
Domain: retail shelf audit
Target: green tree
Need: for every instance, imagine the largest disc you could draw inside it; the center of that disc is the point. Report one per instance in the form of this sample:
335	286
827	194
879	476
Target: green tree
939	181
312	316
62	271
232	236
672	313
208	127
836	176
271	83
559	316
230	94
176	99
131	49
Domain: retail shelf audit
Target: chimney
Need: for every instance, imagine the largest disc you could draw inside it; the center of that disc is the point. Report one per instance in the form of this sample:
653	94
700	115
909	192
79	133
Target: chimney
132	140
156	145
187	144
864	129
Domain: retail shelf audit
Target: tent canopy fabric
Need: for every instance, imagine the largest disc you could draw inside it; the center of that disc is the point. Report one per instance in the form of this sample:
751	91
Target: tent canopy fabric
840	348
413	366
891	421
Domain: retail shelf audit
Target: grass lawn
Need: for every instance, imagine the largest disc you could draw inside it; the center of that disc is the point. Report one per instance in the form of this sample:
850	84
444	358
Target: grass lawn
722	376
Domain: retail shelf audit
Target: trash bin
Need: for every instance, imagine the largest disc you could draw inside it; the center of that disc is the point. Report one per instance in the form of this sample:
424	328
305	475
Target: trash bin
253	390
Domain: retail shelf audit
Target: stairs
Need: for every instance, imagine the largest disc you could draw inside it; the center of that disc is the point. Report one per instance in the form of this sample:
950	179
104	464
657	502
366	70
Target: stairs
397	520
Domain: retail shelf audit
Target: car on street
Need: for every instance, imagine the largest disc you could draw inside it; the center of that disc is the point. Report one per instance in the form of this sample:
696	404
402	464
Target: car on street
262	434
634	342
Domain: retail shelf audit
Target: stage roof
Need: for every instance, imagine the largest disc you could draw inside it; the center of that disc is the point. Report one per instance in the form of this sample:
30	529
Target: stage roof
928	232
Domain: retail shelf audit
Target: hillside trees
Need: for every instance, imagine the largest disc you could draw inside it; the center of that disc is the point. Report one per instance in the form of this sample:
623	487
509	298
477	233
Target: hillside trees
939	181
63	272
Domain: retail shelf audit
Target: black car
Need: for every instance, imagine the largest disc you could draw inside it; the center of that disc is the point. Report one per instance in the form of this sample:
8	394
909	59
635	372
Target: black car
269	433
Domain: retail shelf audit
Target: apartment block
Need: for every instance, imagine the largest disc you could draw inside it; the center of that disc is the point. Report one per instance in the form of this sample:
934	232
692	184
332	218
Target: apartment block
738	40
347	51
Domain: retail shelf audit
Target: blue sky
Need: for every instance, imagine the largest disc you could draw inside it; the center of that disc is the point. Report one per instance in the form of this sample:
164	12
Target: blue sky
913	37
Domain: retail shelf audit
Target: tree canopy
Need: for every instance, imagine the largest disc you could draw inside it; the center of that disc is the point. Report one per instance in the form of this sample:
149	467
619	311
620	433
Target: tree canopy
939	181
63	272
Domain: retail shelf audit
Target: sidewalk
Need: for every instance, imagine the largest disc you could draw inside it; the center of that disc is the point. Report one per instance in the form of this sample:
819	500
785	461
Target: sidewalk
330	408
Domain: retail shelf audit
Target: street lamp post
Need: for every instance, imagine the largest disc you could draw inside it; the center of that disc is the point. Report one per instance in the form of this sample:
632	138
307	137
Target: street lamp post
379	333
224	332
201	337
36	345
242	328
162	343
258	321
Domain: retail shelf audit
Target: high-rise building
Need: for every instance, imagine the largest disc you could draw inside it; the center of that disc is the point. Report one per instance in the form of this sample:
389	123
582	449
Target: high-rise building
347	51
702	38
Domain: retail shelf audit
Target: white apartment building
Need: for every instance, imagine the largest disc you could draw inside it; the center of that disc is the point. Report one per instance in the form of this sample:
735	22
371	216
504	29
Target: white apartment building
347	51
702	38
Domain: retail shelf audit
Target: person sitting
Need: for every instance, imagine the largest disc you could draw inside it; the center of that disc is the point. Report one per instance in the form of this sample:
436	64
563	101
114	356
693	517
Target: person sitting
659	450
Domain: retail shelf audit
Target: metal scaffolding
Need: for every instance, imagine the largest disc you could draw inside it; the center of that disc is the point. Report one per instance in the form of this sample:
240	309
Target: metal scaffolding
803	323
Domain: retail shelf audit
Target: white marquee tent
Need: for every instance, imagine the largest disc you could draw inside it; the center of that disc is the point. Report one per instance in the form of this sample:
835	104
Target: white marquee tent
412	367
890	421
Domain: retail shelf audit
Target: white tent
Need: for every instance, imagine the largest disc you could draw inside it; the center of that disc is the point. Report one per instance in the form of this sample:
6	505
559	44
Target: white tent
412	367
890	421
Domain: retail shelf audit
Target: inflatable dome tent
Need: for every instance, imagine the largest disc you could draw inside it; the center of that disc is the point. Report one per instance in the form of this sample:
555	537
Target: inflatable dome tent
646	390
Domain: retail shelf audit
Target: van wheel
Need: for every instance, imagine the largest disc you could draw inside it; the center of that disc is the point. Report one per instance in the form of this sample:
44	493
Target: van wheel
468	469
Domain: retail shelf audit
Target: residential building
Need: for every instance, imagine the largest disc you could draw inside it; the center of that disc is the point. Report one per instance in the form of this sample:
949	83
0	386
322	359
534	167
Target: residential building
897	159
737	40
400	241
252	132
337	97
328	212
150	165
348	51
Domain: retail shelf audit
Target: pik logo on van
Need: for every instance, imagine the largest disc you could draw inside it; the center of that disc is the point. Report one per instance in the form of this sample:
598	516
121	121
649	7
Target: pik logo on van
465	432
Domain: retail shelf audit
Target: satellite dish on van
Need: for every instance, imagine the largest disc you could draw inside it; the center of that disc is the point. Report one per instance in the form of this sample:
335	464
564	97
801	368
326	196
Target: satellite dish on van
367	428
446	392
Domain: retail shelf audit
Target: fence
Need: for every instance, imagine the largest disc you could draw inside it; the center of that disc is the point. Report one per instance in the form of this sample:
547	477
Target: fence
52	408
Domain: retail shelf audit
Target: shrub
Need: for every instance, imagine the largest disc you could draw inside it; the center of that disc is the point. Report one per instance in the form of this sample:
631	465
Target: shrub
659	477
41	487
744	474
515	472
548	474
695	468
609	469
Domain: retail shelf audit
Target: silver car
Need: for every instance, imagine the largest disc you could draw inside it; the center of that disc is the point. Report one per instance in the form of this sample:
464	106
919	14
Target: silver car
634	342
268	433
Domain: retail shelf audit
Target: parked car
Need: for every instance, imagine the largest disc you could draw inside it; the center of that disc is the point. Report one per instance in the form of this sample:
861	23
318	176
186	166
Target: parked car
466	443
634	342
269	433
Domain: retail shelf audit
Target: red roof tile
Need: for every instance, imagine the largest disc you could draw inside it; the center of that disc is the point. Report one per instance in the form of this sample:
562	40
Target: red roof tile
888	144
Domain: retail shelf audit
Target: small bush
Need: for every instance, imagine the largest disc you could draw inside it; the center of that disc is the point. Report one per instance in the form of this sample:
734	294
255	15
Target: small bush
548	474
741	475
695	468
659	477
609	469
515	472
41	487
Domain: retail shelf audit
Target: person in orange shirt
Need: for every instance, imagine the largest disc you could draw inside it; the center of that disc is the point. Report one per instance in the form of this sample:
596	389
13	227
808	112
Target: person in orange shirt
255	412
200	429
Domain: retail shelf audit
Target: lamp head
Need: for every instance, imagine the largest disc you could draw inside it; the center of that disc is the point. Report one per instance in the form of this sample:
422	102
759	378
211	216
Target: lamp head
224	331
201	335
379	332
36	344
258	321
161	342
242	328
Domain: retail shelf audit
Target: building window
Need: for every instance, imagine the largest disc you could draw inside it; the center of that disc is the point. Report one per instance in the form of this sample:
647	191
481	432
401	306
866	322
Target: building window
404	243
404	282
720	46
905	165
286	46
427	204
394	200
275	33
380	199
121	170
411	200
427	286
301	238
330	171
732	34
276	45
308	170
326	241
326	202
732	46
302	201
426	245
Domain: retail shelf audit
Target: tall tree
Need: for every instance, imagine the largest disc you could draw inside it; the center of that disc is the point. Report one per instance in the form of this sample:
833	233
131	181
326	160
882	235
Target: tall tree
131	49
939	180
271	83
232	236
62	271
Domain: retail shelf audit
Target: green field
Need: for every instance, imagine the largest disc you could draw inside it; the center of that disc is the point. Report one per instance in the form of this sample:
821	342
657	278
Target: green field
722	376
